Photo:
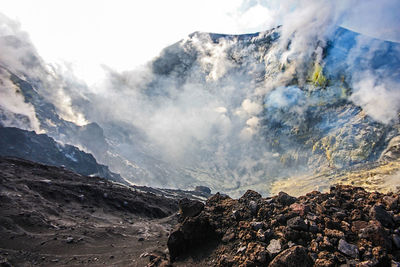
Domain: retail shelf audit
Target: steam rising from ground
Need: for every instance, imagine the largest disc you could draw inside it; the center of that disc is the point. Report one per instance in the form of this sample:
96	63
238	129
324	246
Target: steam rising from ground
202	103
14	110
209	114
18	56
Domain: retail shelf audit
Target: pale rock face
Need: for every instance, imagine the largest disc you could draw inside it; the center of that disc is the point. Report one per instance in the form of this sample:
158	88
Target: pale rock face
227	112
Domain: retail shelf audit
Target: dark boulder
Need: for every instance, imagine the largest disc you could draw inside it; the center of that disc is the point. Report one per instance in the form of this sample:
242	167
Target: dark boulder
250	195
285	199
297	223
176	244
193	233
190	208
375	233
379	213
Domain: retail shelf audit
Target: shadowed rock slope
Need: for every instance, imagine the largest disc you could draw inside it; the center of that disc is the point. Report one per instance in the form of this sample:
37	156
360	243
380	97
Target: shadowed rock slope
41	148
50	216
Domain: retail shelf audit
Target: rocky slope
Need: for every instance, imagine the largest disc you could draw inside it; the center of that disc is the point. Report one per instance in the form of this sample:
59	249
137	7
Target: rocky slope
346	227
40	148
50	216
232	112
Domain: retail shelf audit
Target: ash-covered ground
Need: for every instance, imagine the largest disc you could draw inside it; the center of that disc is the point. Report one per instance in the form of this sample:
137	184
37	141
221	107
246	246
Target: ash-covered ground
50	216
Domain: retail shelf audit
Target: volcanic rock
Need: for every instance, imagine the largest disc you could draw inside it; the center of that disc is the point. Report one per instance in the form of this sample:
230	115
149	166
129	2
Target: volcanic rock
274	246
297	223
190	208
348	249
378	213
285	199
319	229
292	257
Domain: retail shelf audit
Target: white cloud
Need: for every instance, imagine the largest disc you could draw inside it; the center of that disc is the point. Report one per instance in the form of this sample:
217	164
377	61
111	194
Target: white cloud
124	34
378	98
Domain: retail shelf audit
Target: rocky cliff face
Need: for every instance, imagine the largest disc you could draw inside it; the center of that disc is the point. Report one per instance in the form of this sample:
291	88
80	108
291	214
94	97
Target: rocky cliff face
40	148
228	112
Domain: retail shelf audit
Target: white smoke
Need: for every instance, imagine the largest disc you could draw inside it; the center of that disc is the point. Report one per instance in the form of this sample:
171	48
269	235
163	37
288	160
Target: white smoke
13	104
375	89
18	55
207	115
379	98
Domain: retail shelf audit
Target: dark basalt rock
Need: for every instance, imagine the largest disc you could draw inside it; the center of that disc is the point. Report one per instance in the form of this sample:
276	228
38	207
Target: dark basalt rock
292	257
319	229
375	233
297	223
192	233
379	213
176	244
190	208
41	148
285	199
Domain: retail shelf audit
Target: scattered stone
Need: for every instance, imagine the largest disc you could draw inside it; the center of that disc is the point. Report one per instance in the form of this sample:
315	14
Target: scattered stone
257	225
324	263
292	257
376	234
348	249
380	254
340	228
297	223
396	240
390	202
368	263
235	214
70	240
378	213
228	237
357	226
241	249
274	246
261	235
253	206
300	209
333	233
4	262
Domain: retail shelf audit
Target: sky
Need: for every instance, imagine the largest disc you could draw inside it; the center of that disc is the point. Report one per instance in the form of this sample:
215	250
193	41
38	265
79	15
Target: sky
124	34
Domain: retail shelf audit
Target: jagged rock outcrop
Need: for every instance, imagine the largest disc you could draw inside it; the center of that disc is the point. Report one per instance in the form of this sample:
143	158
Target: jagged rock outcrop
348	226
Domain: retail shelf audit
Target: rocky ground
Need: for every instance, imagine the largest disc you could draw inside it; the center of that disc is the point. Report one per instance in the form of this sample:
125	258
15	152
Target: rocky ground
346	227
50	216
